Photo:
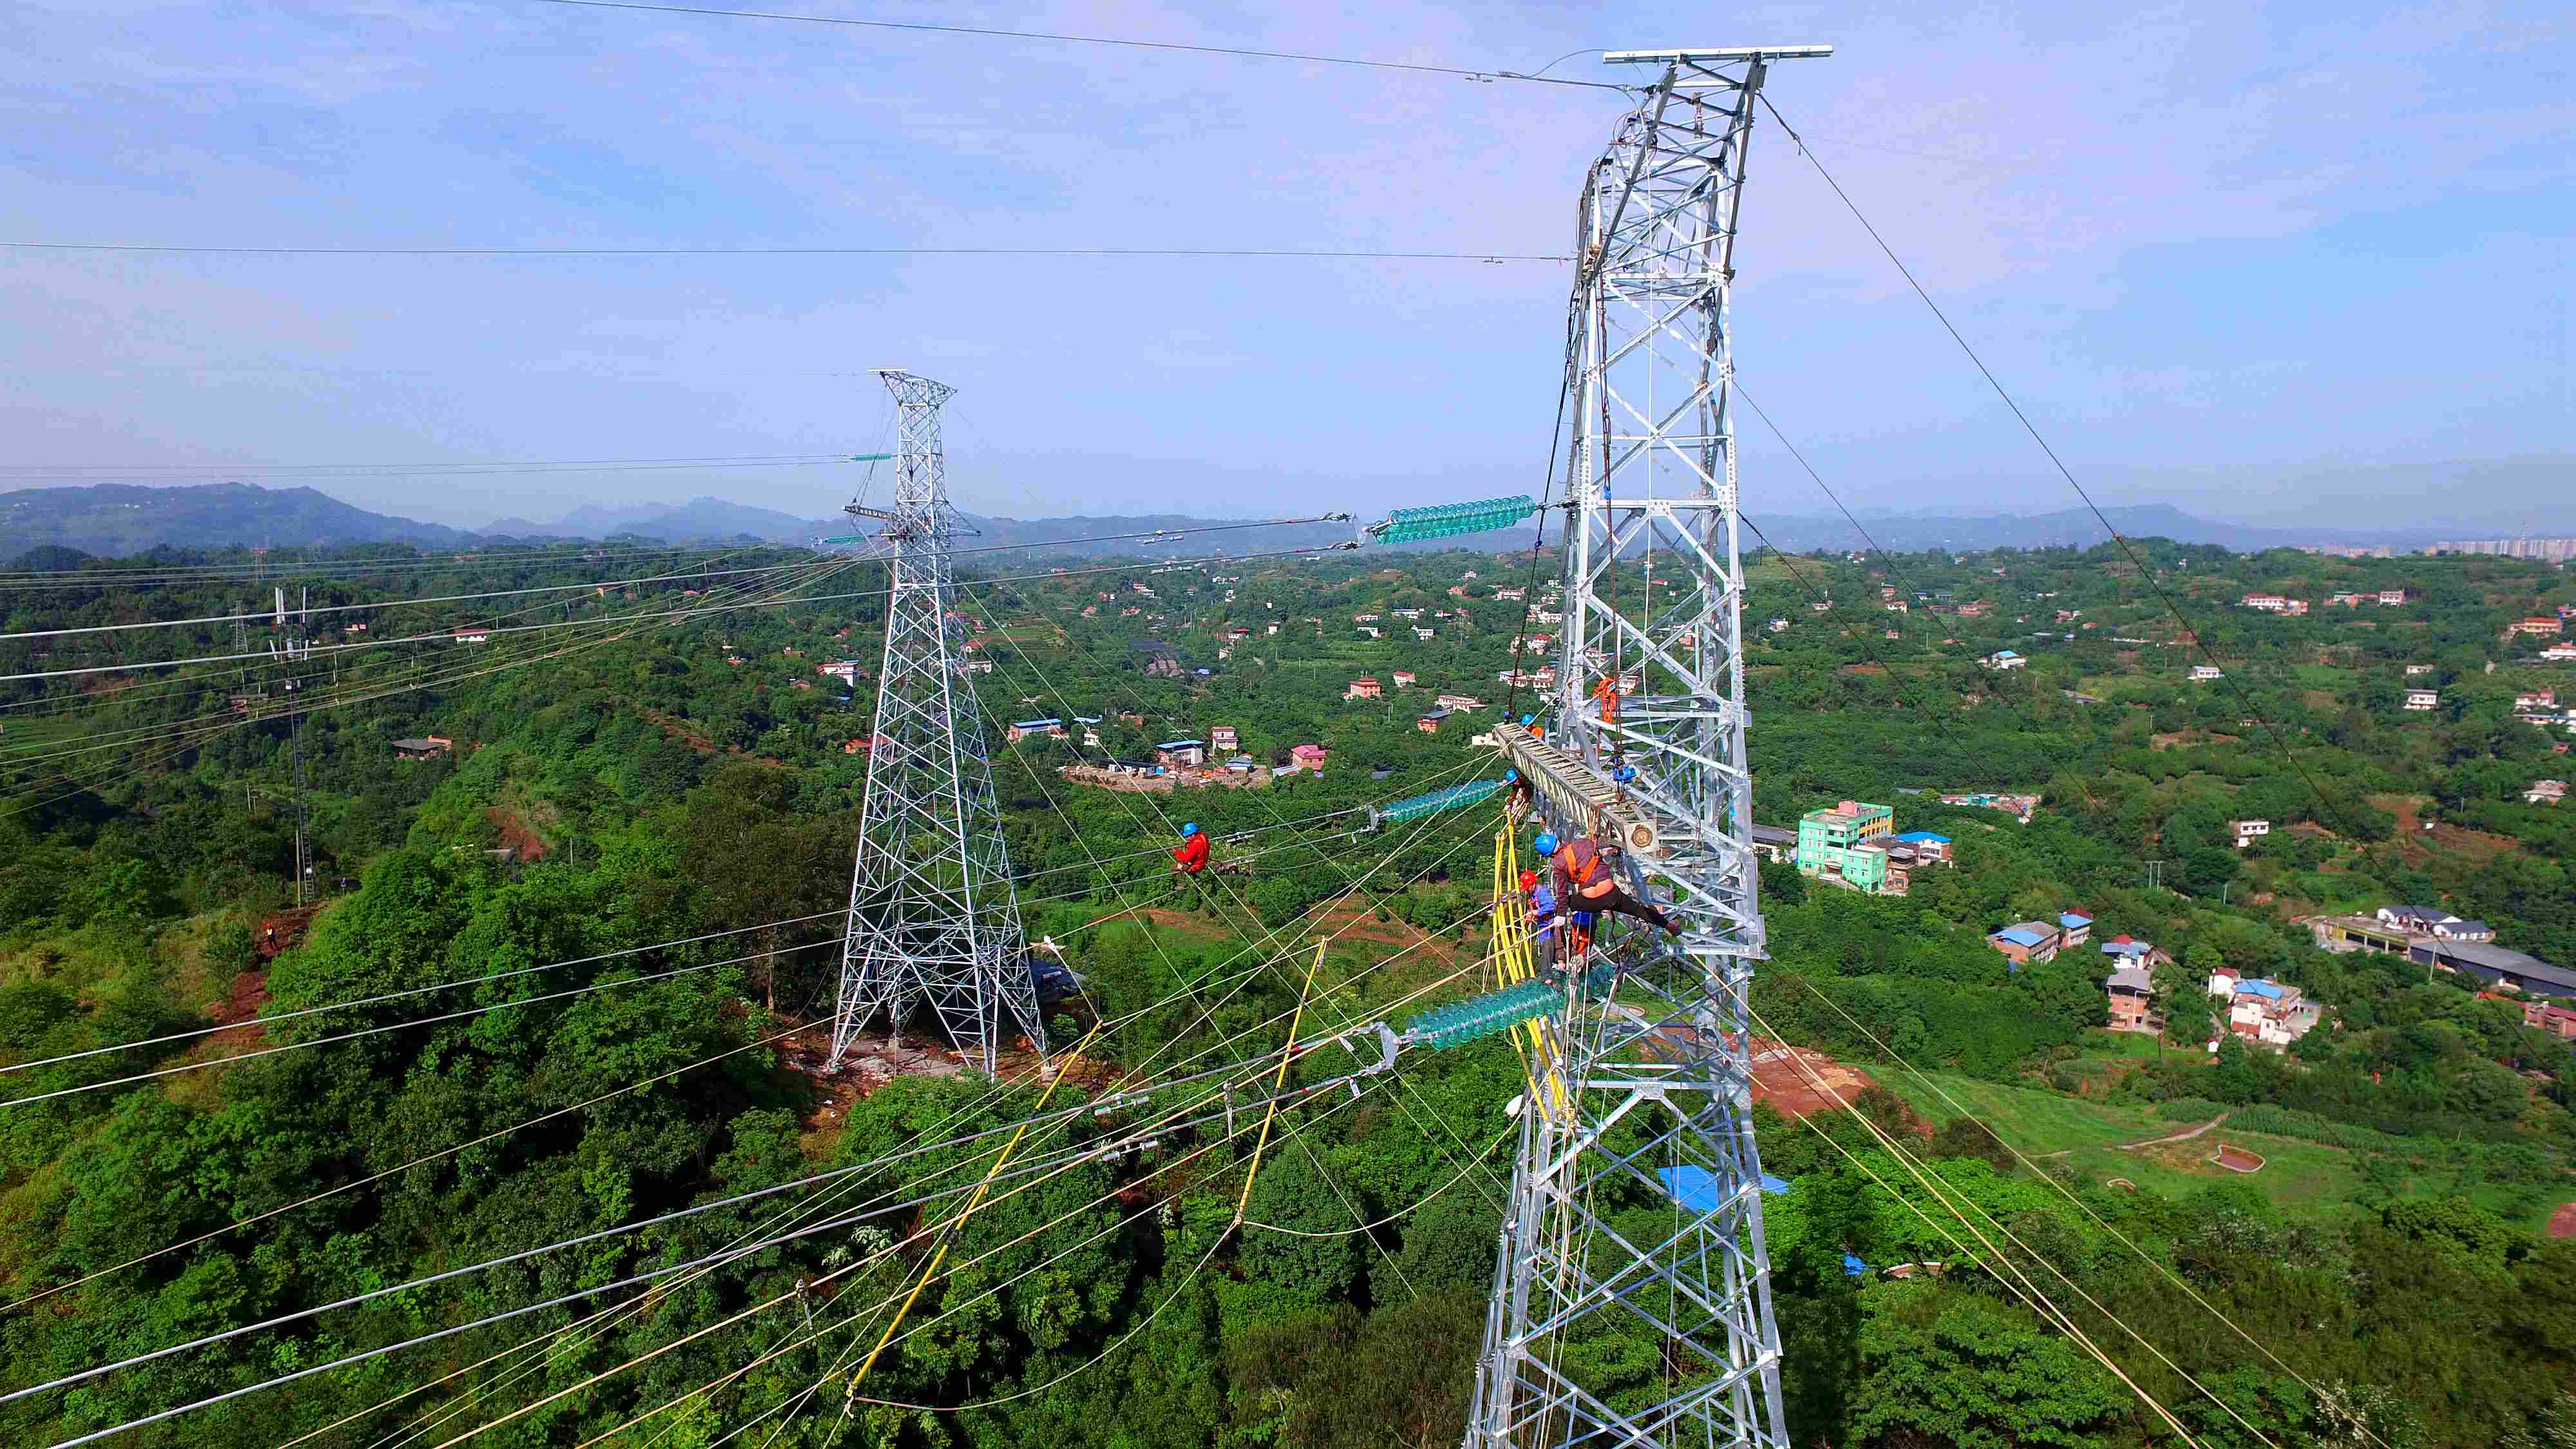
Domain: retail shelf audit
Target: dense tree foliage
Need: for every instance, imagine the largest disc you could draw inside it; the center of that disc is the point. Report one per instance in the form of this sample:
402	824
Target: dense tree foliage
649	821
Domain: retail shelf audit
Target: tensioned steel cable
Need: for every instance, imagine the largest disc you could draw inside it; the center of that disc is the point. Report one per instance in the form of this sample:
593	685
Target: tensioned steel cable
606	632
746	958
2280	743
1246	976
1095	1107
327	650
381	605
2051	1179
1074	1156
102	574
334	1040
1112	1028
1382	963
269	1019
726	596
424	673
987	32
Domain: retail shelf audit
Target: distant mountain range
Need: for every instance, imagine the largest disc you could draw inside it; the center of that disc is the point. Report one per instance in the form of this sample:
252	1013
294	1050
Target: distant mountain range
116	519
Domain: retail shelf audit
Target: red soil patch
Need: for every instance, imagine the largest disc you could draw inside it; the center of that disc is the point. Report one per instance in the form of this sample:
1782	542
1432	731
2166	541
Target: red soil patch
2237	1159
525	844
284	931
238	1013
2562	1223
1795	1081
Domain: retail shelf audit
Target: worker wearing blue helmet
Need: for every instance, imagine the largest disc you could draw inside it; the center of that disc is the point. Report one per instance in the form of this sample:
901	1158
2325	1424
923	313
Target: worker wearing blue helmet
1584	884
1191	855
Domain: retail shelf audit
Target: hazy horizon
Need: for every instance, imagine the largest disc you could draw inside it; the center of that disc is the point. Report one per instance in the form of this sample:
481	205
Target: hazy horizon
2171	233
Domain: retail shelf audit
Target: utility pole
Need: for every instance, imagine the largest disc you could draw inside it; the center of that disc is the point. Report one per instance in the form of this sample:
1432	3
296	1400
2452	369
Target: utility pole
2152	867
1664	1070
932	915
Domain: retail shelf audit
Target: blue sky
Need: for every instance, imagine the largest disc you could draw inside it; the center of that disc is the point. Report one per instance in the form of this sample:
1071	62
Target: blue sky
2220	250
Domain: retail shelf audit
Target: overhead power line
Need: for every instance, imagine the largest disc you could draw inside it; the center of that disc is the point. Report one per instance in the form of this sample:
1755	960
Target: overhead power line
14	471
2325	804
1274	253
1239	52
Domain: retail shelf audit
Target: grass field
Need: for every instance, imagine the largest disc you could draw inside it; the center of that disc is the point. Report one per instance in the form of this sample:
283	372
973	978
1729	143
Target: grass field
2122	1044
2305	1179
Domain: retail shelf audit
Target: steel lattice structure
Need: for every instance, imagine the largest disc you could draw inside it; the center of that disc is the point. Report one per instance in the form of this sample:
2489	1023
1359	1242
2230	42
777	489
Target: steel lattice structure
1636	1209
932	916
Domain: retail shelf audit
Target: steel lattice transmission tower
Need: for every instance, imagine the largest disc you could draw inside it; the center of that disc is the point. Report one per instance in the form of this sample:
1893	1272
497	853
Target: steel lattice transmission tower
932	916
1636	1207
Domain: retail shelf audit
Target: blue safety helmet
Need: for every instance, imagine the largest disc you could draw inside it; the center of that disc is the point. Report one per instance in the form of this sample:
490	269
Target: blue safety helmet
1546	842
1529	719
1510	775
1189	830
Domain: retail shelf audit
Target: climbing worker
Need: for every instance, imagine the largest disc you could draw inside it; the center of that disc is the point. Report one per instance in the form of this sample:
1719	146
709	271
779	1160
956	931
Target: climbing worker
1191	855
1584	883
1554	946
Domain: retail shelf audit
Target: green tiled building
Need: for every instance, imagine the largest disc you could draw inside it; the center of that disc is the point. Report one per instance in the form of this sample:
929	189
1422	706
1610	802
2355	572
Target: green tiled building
1827	841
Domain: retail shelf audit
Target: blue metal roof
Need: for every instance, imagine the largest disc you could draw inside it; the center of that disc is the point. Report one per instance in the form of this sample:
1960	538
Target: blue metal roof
2125	948
2020	937
1917	837
1035	724
2072	919
2267	989
1182	745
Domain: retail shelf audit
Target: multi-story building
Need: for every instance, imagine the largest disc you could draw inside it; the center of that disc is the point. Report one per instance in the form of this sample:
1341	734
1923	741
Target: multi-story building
2025	942
2261	1011
1828	841
2133	998
2249	831
2420	700
1362	689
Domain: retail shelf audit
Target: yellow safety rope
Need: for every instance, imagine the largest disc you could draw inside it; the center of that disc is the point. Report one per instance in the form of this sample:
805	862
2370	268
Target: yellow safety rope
948	1234
1287	1054
1515	961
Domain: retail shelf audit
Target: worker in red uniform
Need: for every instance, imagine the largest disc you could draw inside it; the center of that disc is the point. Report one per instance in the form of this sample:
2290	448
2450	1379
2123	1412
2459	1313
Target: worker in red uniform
1584	883
1191	855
